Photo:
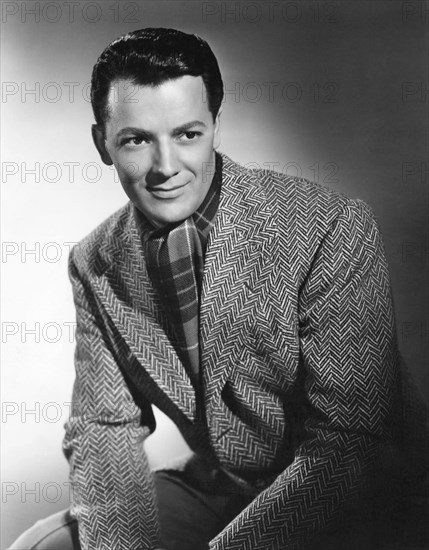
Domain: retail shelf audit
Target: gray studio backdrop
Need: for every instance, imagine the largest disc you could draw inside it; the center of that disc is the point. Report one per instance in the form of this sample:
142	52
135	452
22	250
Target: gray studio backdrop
334	91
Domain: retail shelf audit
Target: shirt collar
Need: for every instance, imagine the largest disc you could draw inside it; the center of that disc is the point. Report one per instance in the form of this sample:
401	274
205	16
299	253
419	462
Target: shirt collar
203	217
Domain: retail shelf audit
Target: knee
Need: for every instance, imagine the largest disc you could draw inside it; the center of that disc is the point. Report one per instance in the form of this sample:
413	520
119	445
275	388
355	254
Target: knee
56	532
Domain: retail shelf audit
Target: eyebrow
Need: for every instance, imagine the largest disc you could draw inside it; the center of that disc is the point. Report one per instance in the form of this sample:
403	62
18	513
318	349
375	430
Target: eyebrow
176	131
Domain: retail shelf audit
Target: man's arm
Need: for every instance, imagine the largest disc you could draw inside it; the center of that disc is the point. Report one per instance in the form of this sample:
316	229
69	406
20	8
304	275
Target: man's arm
349	354
113	493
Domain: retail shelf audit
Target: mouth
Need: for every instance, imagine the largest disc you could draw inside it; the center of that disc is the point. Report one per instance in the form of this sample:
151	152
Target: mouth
167	192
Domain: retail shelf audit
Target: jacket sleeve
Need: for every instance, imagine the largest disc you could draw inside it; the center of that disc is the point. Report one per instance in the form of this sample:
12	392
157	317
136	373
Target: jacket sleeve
349	356
113	494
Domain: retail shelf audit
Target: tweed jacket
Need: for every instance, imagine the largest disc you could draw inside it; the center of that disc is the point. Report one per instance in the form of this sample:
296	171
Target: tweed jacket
298	359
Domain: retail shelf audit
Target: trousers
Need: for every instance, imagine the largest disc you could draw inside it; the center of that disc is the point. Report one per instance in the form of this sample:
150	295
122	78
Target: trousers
189	517
193	508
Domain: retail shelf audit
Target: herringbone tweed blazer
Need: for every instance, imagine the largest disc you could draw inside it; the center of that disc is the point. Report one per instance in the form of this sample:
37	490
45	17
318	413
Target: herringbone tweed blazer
298	358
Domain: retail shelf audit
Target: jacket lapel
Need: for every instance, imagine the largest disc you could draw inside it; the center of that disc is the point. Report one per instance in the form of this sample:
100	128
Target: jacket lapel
235	273
127	294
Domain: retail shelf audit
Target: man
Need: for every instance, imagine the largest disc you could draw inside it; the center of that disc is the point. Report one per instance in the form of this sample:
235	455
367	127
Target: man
253	308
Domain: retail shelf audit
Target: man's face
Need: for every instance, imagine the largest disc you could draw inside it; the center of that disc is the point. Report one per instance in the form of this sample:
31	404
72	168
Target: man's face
161	140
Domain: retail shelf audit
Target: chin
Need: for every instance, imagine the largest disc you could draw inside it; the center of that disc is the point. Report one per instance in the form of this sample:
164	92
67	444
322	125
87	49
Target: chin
168	218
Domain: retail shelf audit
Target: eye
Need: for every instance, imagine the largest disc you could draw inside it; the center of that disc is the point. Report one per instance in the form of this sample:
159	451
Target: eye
133	141
137	140
189	136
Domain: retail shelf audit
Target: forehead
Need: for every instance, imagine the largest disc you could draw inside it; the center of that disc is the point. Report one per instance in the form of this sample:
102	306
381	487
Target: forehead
172	103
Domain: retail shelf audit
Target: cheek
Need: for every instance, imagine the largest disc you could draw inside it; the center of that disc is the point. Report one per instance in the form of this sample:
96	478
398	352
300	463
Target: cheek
131	171
198	158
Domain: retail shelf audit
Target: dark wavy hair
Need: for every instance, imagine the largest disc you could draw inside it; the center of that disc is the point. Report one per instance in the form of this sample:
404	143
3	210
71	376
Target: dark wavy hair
149	57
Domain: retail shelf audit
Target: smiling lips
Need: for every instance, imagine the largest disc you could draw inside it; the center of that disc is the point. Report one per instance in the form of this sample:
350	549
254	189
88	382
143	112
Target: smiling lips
163	192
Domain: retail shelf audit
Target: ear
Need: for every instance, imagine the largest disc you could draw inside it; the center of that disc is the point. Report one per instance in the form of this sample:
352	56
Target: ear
216	139
100	143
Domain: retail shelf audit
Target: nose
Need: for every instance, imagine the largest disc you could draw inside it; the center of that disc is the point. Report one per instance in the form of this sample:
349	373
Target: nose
164	161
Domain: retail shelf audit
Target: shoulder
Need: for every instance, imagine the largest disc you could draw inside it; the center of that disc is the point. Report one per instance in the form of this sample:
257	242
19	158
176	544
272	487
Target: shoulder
308	217
89	254
298	203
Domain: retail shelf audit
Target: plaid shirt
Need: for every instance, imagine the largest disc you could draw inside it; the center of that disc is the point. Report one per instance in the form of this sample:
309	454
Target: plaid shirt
175	263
